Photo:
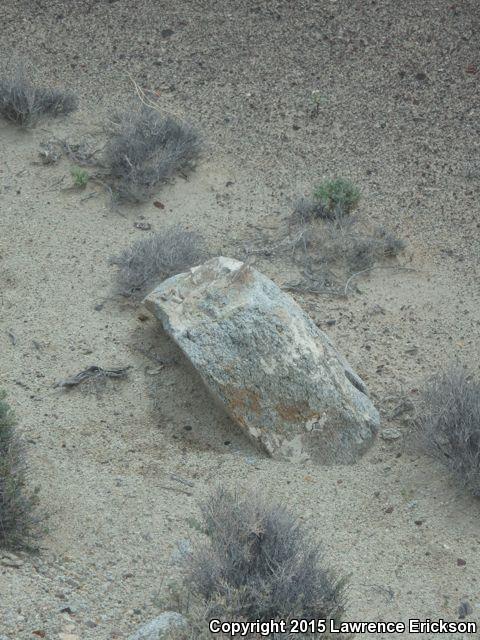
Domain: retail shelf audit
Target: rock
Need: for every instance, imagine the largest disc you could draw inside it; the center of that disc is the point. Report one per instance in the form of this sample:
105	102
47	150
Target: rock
465	609
278	376
391	433
11	560
159	628
183	549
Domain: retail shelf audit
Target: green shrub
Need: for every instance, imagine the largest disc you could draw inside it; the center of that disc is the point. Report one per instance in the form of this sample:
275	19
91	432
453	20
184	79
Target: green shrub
338	197
80	177
18	520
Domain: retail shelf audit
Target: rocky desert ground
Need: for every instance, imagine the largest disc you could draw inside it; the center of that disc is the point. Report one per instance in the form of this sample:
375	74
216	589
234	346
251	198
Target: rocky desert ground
398	114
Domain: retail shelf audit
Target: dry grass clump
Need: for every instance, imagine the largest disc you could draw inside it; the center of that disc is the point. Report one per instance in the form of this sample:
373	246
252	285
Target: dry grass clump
145	149
449	424
349	241
328	244
259	563
18	521
155	258
329	250
24	104
307	209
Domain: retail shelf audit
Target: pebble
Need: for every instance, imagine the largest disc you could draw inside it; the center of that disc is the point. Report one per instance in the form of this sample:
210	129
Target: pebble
91	624
391	433
11	560
465	609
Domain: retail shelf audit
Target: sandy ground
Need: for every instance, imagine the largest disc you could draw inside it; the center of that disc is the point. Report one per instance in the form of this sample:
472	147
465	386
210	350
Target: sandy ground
399	115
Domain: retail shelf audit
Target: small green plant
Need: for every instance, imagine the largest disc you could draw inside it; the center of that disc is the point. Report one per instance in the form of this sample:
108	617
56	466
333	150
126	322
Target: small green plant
338	197
80	177
18	521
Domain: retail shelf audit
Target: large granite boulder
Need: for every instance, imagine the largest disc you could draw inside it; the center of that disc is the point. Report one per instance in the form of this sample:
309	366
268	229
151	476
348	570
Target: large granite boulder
278	376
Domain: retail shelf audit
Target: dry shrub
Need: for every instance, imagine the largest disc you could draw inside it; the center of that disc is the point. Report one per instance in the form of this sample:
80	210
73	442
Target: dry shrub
155	258
145	149
330	250
24	104
449	424
19	524
307	209
258	562
327	243
349	241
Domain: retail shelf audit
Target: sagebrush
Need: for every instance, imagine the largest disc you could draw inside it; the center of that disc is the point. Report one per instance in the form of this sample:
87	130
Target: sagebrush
24	103
449	424
18	516
145	149
155	258
330	200
328	250
337	197
258	562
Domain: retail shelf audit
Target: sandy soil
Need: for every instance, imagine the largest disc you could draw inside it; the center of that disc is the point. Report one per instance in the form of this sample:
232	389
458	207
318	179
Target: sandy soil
399	115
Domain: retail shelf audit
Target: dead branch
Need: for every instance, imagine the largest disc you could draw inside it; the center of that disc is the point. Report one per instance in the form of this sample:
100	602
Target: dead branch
92	373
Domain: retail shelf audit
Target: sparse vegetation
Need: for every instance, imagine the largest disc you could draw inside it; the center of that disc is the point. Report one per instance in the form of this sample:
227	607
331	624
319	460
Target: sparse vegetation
350	242
337	197
146	149
307	209
18	522
81	153
259	562
328	243
449	424
153	259
330	250
24	104
80	177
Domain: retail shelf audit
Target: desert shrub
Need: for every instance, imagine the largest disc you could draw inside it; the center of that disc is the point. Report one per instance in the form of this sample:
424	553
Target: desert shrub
337	197
389	244
449	424
145	149
306	209
80	177
18	522
155	258
330	250
24	103
258	562
361	247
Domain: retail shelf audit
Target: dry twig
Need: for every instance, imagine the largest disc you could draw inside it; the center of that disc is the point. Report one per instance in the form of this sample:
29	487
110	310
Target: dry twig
92	373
